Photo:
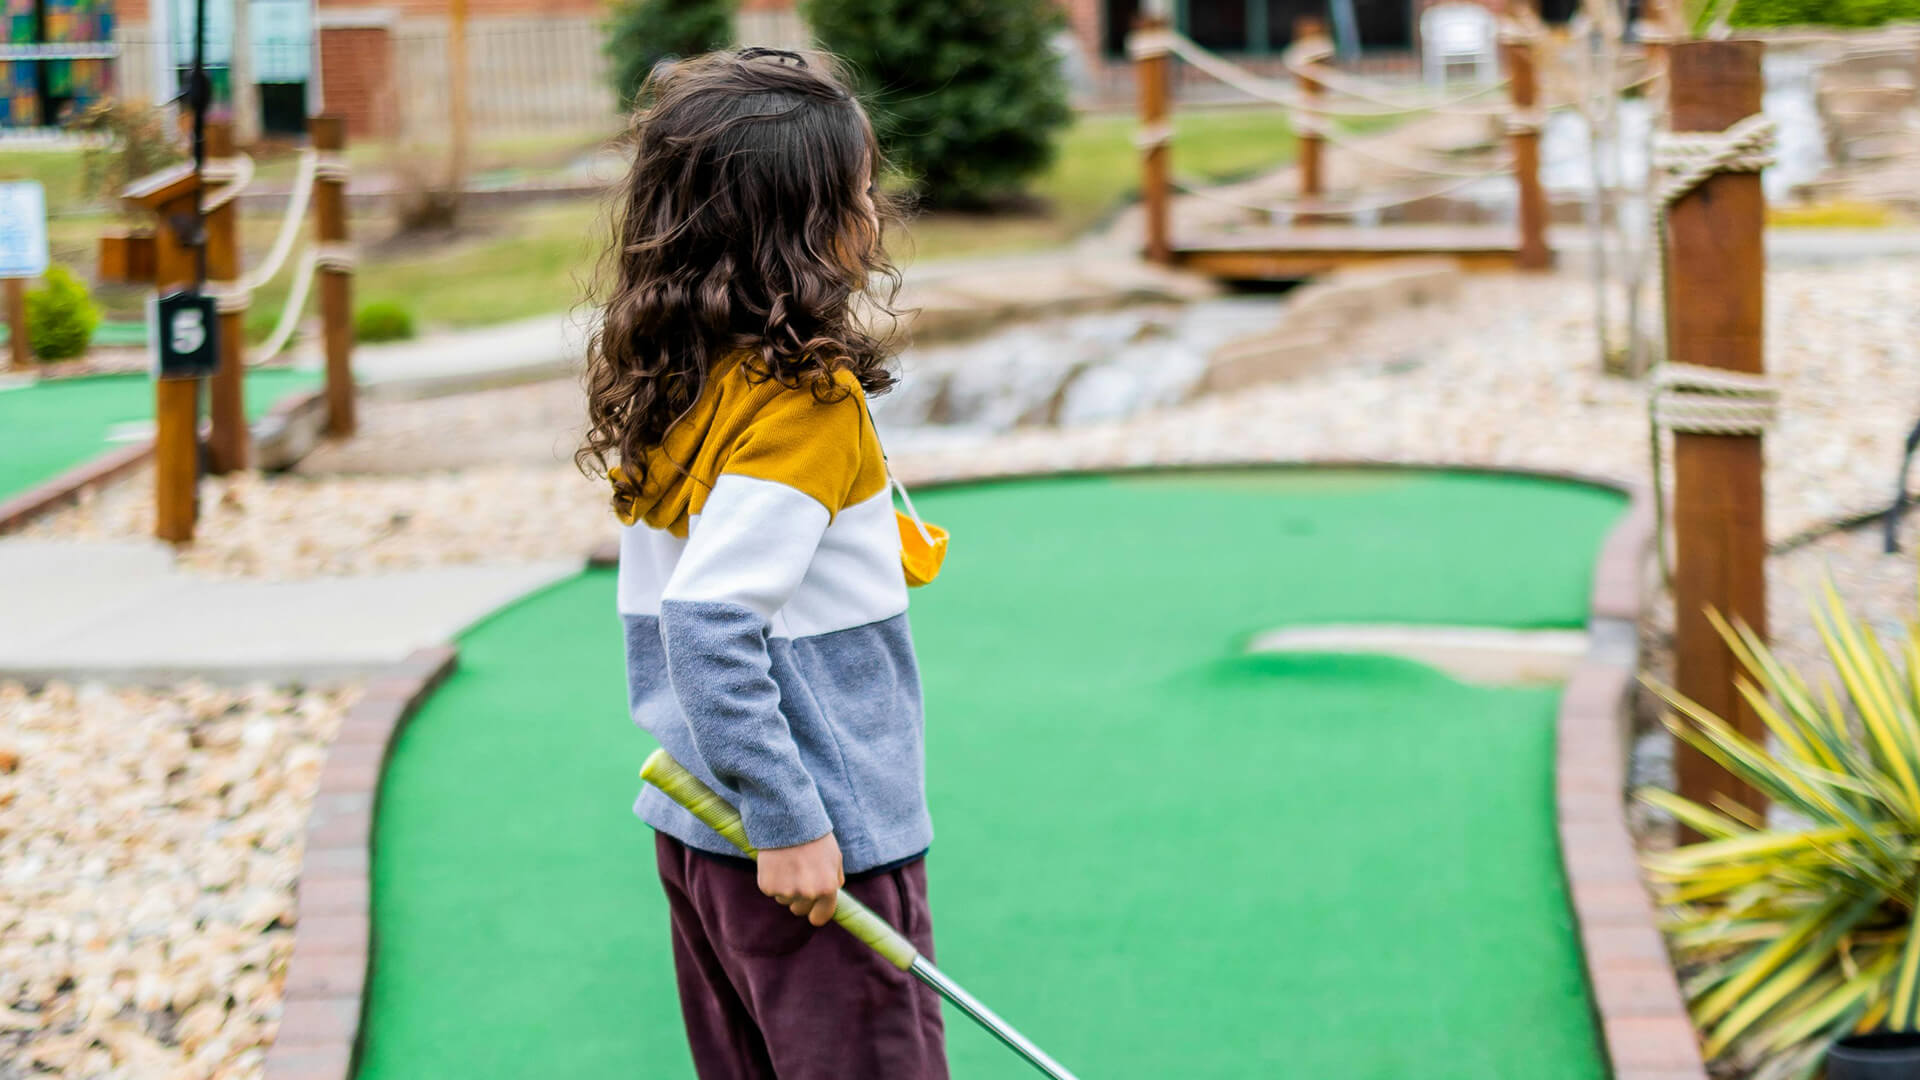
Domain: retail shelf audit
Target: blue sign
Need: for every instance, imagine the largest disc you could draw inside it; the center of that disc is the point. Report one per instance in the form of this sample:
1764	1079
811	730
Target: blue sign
23	229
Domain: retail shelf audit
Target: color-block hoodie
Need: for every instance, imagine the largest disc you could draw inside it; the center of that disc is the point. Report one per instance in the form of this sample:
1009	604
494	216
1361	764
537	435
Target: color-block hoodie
765	611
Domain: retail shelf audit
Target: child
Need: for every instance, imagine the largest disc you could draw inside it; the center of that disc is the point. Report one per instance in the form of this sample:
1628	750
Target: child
760	575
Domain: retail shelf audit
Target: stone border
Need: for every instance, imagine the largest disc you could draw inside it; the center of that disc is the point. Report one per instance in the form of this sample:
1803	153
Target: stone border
1640	1016
326	979
282	436
68	487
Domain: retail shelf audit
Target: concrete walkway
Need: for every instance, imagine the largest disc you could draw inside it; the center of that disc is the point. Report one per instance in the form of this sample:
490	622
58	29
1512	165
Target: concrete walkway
120	613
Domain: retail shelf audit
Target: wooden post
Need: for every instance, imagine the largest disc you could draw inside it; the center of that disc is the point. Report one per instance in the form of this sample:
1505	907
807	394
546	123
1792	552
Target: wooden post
227	404
176	401
1715	273
18	352
336	280
1312	142
1524	138
1150	70
458	114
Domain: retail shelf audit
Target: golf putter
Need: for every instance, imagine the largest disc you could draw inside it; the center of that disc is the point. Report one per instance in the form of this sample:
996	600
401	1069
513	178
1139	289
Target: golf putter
700	800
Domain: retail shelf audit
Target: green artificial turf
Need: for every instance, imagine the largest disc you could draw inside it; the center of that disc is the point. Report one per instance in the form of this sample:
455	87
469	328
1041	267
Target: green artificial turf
1157	855
49	427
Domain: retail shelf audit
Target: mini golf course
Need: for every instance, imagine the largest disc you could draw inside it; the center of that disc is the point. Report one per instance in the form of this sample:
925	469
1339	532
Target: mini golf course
52	426
1157	855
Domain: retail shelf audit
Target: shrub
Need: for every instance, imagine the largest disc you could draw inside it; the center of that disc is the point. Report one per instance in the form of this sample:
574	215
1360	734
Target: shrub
1796	931
968	97
61	317
382	321
1823	12
641	33
136	139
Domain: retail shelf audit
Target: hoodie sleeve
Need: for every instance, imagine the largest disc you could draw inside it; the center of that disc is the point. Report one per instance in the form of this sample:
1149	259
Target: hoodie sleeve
785	478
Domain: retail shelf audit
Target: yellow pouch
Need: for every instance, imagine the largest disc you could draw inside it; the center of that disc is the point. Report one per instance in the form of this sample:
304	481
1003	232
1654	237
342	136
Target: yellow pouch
923	547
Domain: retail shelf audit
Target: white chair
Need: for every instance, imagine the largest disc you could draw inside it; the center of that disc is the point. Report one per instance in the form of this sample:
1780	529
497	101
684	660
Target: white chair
1459	33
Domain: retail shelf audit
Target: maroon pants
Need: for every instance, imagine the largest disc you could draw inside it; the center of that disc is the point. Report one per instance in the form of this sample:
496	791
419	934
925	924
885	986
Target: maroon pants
767	995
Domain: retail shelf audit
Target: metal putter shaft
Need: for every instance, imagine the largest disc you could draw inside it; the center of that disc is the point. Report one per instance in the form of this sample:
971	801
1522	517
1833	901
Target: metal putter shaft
700	800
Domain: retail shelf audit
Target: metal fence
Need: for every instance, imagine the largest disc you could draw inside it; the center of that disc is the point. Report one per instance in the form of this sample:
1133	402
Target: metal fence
525	77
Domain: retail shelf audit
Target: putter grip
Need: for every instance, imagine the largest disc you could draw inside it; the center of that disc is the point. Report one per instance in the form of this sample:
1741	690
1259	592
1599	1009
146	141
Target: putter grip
703	802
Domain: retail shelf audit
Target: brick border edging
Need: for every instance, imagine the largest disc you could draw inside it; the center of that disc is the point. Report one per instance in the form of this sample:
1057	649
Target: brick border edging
1642	1018
333	934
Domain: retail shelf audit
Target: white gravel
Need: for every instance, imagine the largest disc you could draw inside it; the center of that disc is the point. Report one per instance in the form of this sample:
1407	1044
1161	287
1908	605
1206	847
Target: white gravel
149	843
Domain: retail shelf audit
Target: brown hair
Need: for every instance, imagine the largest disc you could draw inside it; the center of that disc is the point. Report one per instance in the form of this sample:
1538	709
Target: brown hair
743	227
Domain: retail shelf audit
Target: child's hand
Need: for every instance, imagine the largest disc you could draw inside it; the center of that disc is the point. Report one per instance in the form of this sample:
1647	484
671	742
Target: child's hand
806	877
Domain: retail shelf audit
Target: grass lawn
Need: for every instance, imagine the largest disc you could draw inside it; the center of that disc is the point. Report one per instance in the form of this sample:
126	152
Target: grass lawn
1156	854
531	260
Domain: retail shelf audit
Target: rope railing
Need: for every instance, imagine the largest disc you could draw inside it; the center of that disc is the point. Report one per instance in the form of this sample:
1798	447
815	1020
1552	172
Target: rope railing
234	174
1301	207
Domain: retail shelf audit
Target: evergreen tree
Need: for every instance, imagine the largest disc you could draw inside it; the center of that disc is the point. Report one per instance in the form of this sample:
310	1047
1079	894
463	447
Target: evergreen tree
967	95
641	33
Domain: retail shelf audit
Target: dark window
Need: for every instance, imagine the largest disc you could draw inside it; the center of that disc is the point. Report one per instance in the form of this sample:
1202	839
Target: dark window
1385	24
1119	16
1558	11
1282	13
1218	24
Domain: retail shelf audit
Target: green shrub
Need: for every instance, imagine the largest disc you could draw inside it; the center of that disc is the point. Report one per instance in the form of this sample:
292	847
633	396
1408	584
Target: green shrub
641	33
1823	12
61	317
382	321
967	97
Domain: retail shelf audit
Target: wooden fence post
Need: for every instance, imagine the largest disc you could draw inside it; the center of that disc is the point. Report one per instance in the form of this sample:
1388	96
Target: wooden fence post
1523	126
227	404
18	352
1150	71
335	268
1312	142
1715	275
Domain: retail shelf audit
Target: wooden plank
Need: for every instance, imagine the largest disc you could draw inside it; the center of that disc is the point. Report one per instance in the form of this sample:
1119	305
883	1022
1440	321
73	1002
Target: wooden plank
1394	239
1525	141
1155	183
1273	265
1715	318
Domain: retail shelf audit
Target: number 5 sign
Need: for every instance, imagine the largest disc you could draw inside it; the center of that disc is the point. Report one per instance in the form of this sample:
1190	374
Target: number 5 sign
184	327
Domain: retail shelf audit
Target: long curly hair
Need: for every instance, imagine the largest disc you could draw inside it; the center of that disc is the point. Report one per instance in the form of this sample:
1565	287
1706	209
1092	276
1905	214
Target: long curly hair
751	219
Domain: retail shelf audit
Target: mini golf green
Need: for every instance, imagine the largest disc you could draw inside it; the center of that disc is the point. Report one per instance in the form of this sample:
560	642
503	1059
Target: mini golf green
49	427
1156	855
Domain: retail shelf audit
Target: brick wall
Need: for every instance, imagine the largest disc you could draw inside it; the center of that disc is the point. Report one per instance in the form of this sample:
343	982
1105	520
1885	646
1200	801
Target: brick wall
356	75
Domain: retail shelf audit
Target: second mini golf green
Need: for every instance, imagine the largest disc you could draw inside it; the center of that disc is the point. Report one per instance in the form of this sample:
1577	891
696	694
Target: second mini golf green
1158	856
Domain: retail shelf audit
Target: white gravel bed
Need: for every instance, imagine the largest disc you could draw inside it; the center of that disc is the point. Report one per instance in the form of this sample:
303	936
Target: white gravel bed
1508	375
149	844
292	527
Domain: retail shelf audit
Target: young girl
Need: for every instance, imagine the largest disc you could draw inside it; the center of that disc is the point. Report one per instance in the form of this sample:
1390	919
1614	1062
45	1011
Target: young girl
760	570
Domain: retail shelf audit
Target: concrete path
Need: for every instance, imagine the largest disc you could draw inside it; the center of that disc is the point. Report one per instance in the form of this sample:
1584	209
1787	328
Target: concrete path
120	613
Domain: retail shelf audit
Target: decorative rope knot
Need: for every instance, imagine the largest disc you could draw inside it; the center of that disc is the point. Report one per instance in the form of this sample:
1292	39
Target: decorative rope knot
331	166
1685	159
229	296
1713	401
1516	32
1154	137
337	257
1530	122
1146	44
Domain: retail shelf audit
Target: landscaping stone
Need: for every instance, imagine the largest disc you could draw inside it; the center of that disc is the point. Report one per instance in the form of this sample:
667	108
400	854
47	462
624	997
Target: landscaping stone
149	846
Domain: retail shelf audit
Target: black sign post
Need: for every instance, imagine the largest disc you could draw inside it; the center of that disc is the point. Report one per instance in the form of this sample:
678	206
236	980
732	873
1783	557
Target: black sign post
188	327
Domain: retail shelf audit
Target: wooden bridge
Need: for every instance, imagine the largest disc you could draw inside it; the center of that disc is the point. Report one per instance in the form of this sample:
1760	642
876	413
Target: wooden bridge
1311	244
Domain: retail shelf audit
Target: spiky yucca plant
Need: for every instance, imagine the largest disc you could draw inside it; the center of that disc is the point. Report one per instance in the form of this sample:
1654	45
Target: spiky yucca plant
1792	937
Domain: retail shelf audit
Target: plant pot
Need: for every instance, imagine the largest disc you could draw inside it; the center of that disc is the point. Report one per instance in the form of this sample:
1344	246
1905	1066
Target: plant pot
1881	1055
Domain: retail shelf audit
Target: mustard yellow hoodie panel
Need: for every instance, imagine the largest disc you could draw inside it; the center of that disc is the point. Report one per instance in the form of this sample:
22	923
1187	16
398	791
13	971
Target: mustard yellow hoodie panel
825	449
